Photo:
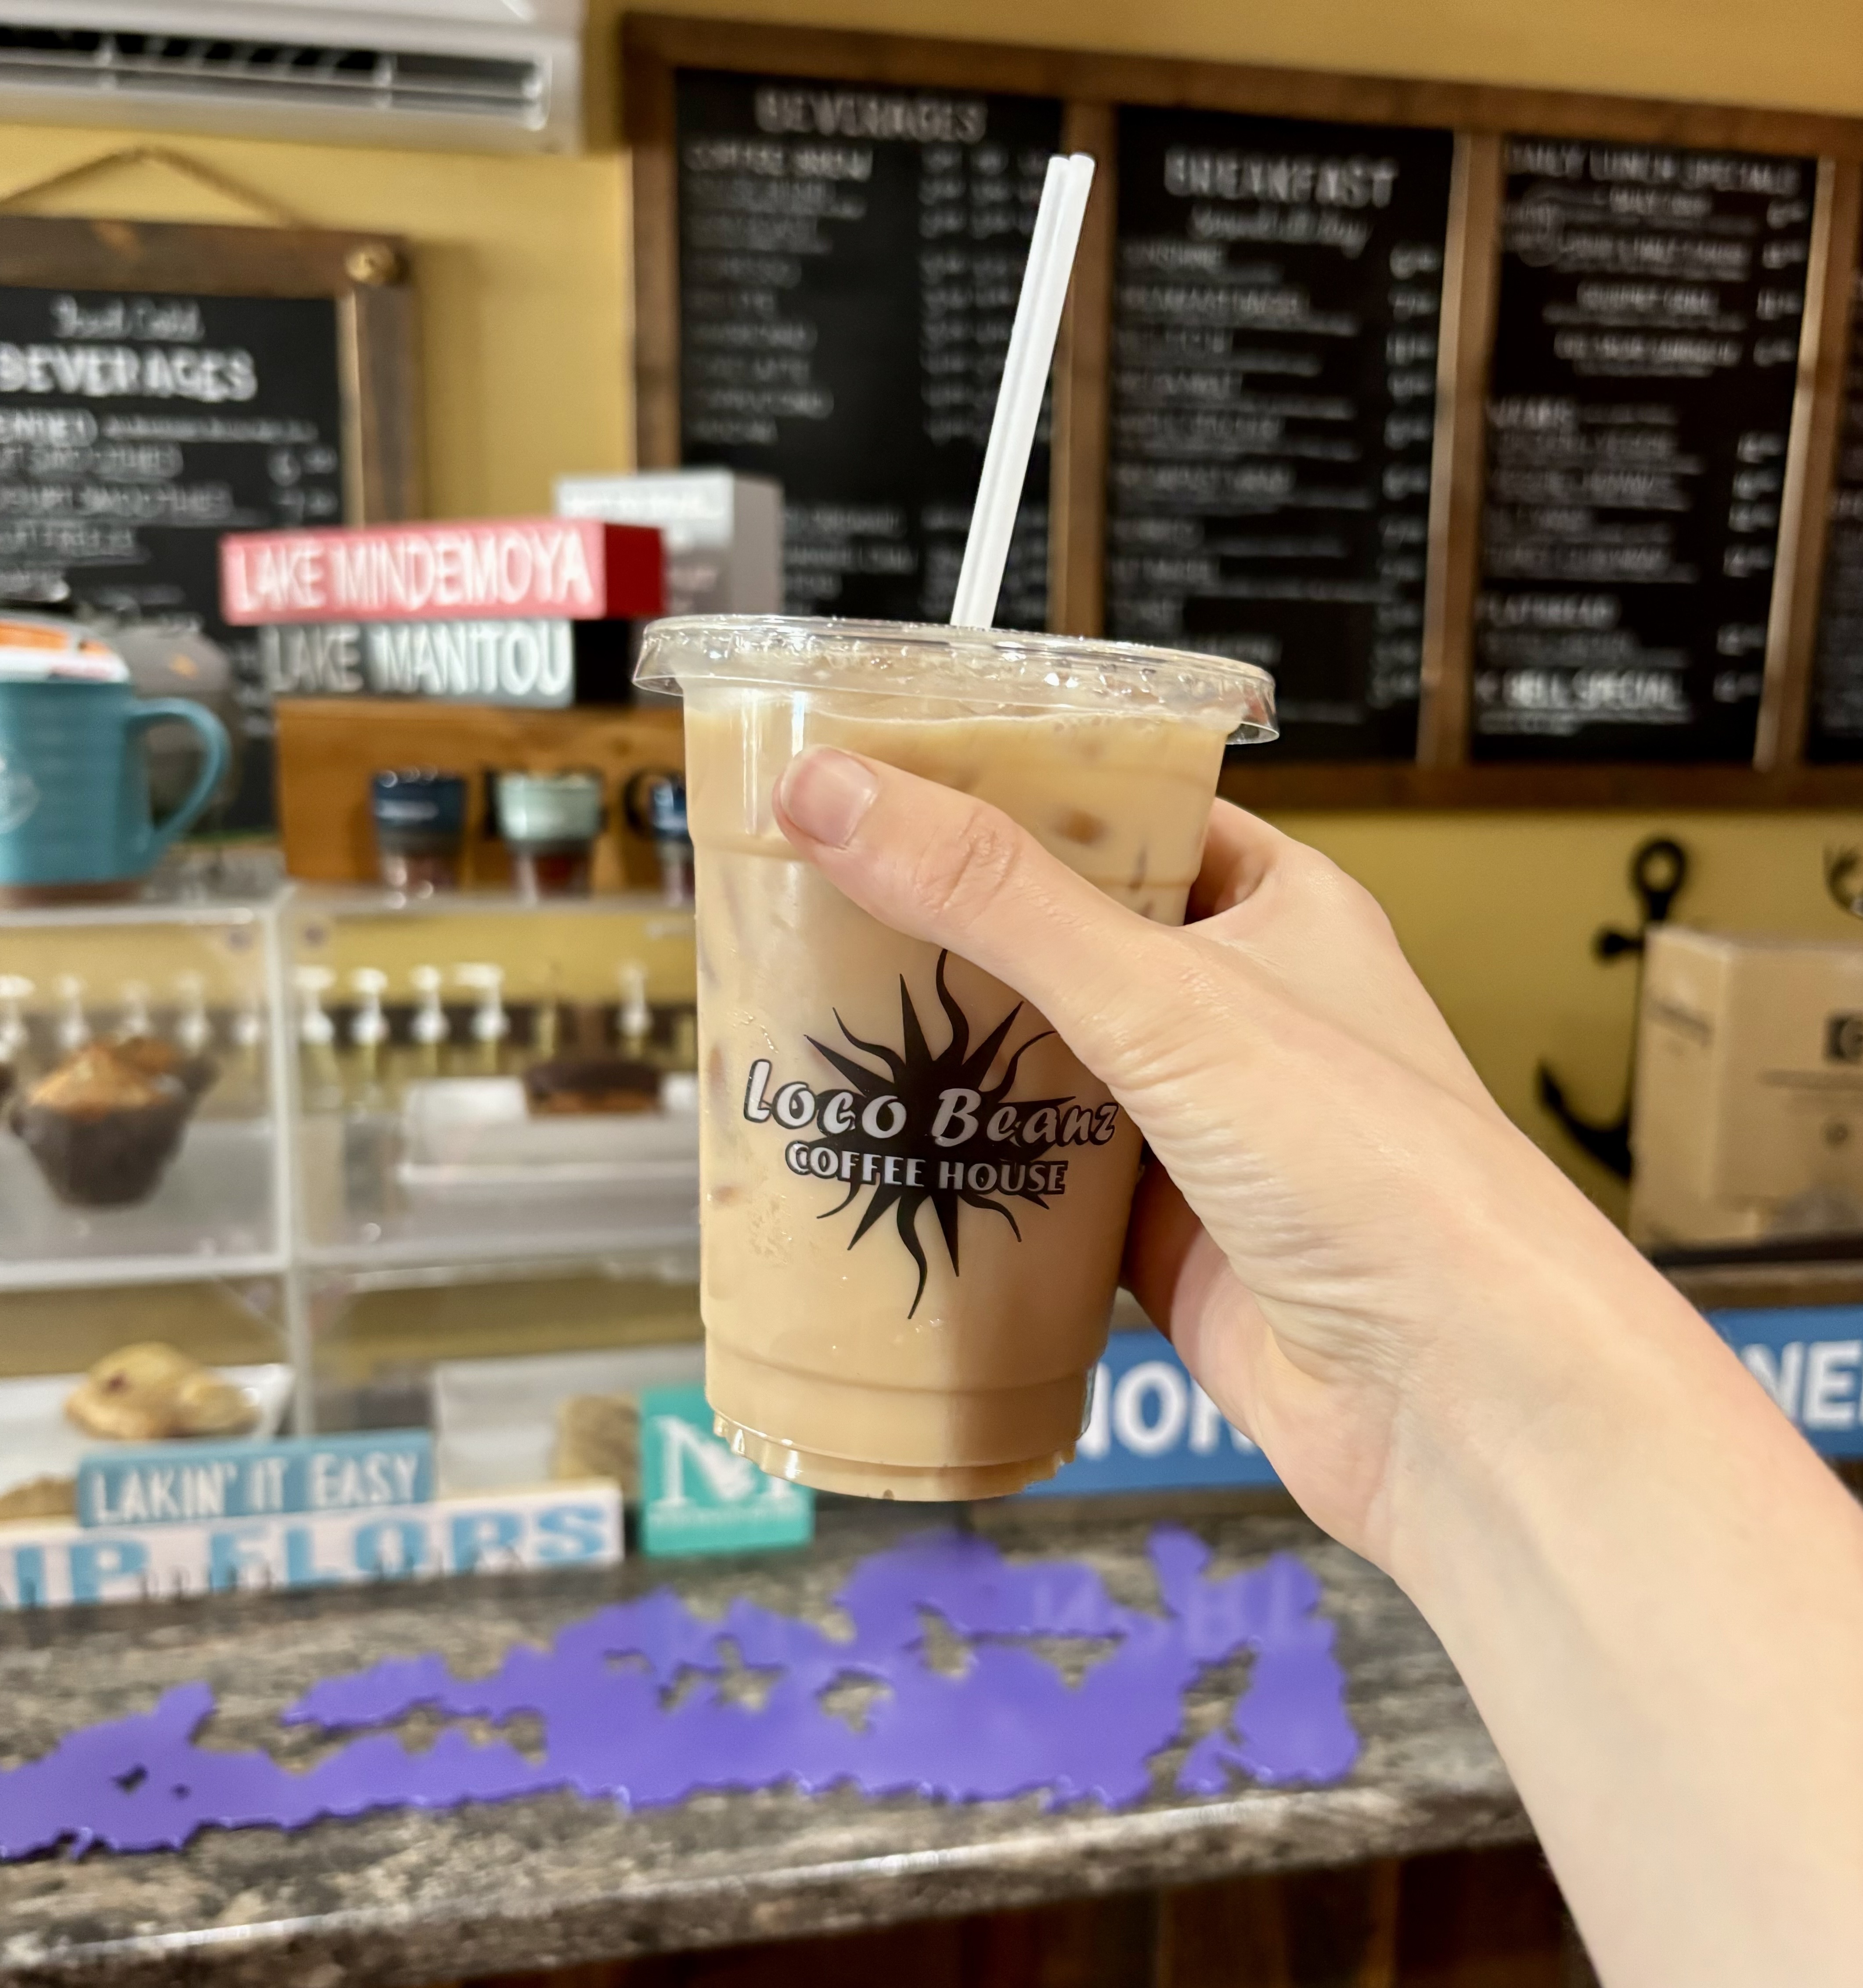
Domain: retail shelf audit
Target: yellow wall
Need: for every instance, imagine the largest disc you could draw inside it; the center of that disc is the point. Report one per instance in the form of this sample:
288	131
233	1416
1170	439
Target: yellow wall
524	282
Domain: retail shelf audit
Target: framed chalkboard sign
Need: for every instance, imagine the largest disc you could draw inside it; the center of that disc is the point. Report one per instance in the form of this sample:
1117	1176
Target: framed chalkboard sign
1639	409
1516	431
849	264
1834	729
1277	288
160	384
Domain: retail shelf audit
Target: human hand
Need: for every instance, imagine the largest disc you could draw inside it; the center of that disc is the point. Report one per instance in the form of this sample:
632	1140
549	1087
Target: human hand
1355	1252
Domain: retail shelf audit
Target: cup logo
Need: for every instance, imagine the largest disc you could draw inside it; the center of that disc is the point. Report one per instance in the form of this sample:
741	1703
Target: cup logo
926	1130
19	797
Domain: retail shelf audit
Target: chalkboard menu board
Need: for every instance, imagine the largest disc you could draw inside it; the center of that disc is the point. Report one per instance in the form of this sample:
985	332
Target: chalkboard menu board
1276	296
1639	406
849	262
136	428
1836	730
1502	425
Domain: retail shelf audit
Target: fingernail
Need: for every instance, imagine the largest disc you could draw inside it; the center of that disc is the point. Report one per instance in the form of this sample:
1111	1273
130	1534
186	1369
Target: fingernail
826	794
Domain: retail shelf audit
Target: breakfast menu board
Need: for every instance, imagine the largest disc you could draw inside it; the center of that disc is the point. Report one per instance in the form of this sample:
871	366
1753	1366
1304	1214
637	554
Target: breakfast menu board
1639	407
1836	729
1277	290
849	262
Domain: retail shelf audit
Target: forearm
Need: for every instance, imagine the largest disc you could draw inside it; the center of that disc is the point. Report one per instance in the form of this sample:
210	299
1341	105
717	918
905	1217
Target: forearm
1654	1593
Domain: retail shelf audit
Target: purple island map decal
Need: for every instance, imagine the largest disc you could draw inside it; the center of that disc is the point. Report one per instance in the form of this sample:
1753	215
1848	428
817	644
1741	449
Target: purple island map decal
622	1722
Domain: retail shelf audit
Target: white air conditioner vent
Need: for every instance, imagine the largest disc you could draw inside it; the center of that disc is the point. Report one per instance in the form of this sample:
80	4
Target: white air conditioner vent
449	76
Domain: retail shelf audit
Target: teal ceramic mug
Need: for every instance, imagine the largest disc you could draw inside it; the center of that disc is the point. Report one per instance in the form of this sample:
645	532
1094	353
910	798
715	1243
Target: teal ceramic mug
74	784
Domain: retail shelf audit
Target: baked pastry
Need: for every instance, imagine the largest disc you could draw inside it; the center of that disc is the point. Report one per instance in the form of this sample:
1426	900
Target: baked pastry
570	1084
40	1498
151	1391
599	1435
153	1057
101	1130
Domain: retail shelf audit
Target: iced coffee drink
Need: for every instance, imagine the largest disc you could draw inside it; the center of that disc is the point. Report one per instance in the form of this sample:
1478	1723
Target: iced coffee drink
914	1197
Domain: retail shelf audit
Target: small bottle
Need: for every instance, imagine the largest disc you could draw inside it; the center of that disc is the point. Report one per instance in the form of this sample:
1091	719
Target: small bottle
428	1029
490	1025
369	1033
193	1027
635	1022
135	1023
546	1016
323	1081
247	1031
72	1031
370	1145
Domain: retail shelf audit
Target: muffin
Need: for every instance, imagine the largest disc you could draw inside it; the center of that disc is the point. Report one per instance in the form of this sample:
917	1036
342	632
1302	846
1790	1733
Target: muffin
101	1130
153	1057
151	1392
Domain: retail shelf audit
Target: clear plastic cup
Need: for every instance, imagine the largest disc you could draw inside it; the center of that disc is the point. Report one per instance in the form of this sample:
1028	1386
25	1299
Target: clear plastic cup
914	1196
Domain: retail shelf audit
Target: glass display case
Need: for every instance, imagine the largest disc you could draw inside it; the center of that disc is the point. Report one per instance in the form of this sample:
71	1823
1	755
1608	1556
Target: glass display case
494	1114
481	1081
349	1161
139	1087
145	1225
524	1371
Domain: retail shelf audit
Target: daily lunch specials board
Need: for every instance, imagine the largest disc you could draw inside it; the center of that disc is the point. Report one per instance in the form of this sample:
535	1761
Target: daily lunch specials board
1836	730
1639	406
1275	297
1497	424
849	263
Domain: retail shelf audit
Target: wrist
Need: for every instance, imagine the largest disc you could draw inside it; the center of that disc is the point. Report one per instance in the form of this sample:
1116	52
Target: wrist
1585	1389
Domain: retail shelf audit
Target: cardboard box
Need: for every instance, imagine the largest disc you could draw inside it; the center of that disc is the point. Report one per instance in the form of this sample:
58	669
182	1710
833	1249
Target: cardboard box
1747	1120
723	533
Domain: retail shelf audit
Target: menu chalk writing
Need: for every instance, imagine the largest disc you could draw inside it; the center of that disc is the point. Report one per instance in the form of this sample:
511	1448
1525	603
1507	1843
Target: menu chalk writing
1836	730
136	428
849	260
1278	291
1645	360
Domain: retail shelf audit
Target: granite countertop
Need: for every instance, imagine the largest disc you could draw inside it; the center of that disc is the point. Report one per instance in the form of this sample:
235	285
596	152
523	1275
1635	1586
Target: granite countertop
412	1897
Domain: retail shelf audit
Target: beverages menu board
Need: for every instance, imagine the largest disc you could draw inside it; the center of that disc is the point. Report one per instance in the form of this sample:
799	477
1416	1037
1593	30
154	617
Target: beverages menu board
850	259
1836	729
1640	398
1277	290
135	428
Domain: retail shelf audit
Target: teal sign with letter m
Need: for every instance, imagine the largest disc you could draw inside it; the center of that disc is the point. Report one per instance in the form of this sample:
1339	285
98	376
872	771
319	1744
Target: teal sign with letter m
697	1496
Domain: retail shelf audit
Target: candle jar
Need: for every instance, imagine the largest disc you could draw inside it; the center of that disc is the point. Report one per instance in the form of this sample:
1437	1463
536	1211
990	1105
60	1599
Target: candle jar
550	822
420	825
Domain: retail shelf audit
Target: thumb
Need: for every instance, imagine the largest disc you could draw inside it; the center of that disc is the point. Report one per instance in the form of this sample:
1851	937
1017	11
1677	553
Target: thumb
941	865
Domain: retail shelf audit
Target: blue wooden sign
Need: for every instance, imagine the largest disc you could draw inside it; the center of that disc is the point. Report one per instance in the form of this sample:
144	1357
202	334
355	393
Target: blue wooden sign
1151	1428
173	1483
1809	1359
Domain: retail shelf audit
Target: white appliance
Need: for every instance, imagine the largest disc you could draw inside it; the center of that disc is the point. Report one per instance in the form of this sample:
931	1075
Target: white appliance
460	75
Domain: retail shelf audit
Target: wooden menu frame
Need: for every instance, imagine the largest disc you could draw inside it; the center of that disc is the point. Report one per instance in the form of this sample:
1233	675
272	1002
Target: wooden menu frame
1091	88
366	276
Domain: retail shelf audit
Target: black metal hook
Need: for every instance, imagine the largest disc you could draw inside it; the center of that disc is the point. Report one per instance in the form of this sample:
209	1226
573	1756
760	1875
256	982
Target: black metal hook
1658	874
1841	868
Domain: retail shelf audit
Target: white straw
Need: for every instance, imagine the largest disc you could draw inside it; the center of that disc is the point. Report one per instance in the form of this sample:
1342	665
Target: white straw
1025	379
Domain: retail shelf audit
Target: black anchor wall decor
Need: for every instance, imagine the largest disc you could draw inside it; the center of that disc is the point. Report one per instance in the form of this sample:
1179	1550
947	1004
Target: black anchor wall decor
1658	872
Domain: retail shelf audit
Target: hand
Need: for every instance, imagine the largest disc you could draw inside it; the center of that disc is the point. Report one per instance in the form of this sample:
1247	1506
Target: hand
1341	1227
1652	1589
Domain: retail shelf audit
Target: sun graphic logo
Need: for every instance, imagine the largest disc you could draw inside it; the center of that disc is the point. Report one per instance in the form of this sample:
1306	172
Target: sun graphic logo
929	1129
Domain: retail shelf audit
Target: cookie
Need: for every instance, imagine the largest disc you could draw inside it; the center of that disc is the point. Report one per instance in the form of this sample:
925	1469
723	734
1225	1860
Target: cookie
151	1392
